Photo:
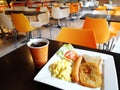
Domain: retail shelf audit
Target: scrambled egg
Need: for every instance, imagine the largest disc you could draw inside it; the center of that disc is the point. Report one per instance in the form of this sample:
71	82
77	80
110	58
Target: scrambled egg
61	69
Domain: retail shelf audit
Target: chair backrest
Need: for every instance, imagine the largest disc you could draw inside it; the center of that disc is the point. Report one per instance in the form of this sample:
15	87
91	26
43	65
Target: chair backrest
101	8
21	23
116	7
77	36
43	18
56	12
74	8
66	12
19	8
45	9
29	9
117	12
111	12
5	21
115	26
100	28
56	5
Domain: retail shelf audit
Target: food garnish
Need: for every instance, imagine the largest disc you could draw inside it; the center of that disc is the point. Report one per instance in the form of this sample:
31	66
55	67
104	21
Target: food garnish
72	55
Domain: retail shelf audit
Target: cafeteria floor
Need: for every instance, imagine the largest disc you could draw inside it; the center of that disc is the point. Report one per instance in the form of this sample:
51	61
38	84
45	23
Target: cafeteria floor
6	46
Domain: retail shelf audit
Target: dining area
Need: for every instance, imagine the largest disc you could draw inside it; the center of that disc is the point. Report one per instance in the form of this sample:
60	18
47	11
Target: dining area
88	31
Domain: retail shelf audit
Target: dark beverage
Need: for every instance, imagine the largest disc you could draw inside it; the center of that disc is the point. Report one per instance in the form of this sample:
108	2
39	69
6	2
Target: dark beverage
39	50
38	44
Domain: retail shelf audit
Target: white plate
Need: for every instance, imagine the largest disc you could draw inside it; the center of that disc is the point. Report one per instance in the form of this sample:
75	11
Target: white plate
109	78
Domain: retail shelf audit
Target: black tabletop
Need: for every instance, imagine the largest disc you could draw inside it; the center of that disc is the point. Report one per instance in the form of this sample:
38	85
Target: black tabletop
89	8
28	13
110	18
94	8
17	69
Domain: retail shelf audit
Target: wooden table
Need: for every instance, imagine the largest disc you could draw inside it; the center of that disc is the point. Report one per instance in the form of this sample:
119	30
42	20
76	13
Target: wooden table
17	69
110	18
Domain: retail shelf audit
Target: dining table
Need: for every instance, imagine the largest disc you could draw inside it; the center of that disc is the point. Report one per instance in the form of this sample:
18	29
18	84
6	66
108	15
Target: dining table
17	68
27	13
89	8
110	18
95	7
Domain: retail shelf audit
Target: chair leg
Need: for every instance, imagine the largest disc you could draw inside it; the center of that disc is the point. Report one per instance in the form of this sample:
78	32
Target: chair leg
29	35
50	32
108	44
39	32
71	18
3	34
98	46
15	36
59	25
66	22
112	44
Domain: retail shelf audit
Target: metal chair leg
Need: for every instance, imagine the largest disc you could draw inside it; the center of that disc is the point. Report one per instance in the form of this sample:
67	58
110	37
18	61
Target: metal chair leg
15	36
59	25
29	35
39	32
51	31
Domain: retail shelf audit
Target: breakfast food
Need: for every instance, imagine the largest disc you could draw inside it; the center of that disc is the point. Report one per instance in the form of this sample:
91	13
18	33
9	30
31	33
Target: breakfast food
83	69
88	58
61	69
75	70
90	75
95	59
71	55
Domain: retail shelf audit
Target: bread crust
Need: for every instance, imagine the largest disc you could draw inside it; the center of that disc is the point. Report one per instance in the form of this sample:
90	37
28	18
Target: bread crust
90	75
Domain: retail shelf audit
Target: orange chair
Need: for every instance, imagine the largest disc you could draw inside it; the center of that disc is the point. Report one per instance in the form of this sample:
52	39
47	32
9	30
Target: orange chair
101	8
74	9
77	36
117	12
100	28
115	32
76	6
111	12
115	28
22	24
116	7
37	9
